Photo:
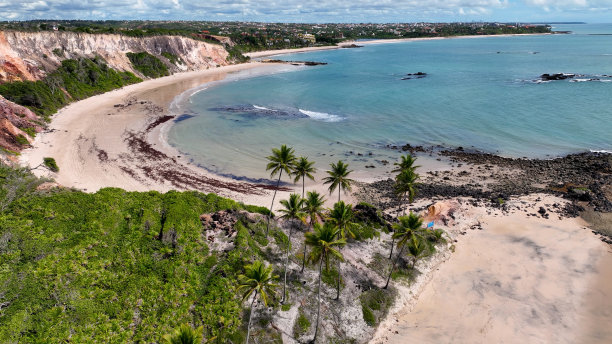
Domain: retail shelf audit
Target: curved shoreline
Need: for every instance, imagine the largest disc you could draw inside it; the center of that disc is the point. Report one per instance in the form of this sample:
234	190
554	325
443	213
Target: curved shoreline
117	140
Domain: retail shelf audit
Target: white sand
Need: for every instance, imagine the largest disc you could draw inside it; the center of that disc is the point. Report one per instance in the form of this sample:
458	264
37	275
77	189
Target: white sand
266	53
518	280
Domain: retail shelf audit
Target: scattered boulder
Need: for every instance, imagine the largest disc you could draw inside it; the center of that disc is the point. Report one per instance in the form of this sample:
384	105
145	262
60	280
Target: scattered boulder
556	76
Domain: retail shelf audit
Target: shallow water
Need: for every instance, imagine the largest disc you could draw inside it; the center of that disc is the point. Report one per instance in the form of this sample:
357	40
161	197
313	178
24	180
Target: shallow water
478	92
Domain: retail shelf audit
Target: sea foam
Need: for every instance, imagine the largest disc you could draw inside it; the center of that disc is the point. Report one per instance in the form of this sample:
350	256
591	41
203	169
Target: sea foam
322	116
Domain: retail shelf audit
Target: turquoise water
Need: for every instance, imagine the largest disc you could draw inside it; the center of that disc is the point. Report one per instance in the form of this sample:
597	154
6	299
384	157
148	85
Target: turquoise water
479	92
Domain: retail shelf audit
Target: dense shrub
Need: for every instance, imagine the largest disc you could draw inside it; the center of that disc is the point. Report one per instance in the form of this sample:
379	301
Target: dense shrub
51	164
80	79
147	64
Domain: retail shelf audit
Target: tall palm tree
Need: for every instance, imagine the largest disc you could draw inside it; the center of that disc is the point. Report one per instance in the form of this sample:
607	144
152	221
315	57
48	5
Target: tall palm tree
293	212
407	228
258	280
325	244
405	186
303	169
185	335
342	216
313	206
281	160
338	178
406	163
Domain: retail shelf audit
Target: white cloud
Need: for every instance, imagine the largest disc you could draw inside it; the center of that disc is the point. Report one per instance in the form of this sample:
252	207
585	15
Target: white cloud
287	10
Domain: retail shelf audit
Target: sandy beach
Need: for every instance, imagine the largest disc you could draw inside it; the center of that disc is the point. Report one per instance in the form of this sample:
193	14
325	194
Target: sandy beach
512	278
347	44
117	139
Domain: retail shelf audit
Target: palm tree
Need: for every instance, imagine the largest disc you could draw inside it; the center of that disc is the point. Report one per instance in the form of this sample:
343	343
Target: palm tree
185	335
404	230
406	163
313	206
418	248
292	211
338	178
405	186
303	168
342	217
281	160
325	243
257	280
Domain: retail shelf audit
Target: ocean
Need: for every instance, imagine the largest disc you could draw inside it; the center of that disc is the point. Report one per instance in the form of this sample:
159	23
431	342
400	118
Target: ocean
481	93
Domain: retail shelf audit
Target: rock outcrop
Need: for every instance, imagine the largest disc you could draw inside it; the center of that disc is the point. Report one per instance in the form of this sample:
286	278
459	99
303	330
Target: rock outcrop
32	55
14	118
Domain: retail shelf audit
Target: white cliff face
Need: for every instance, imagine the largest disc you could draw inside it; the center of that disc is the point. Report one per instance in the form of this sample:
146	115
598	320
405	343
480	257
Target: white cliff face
32	55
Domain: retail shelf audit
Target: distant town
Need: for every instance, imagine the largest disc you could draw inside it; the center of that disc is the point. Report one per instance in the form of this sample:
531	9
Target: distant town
254	36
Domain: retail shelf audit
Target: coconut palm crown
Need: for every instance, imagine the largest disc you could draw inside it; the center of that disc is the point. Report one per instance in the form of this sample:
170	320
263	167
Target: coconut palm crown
303	169
406	163
338	178
281	160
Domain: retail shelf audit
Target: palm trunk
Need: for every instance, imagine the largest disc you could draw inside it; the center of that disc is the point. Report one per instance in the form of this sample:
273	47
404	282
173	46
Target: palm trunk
271	205
393	267
304	260
319	304
392	244
250	317
338	282
303	187
339	193
286	263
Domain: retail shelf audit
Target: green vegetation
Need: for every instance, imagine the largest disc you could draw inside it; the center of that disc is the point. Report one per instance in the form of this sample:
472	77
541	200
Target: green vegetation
257	280
338	178
30	131
22	140
118	266
185	335
282	159
302	325
375	304
90	267
147	64
51	164
175	60
58	52
79	78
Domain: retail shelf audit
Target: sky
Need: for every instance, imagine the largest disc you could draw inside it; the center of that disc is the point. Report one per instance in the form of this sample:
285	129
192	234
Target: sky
313	11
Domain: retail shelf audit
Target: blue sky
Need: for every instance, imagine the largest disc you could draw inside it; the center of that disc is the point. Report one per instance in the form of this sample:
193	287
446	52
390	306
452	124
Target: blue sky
593	11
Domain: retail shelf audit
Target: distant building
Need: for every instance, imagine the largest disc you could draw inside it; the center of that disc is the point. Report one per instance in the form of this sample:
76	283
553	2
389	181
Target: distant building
308	37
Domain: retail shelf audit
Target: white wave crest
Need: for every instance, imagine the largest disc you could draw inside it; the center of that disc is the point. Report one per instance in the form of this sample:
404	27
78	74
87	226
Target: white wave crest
322	116
262	108
601	151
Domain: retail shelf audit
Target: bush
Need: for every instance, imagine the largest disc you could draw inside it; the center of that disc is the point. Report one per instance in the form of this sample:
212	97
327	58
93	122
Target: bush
302	325
80	78
51	164
368	316
147	64
172	58
375	304
30	131
22	140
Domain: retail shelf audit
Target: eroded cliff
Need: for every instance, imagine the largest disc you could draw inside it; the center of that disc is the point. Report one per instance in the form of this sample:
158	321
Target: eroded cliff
32	55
